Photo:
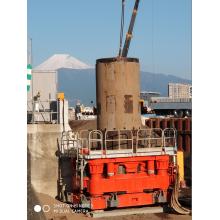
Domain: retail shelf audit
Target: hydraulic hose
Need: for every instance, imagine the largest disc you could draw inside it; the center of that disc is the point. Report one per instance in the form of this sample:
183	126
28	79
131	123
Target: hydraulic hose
175	205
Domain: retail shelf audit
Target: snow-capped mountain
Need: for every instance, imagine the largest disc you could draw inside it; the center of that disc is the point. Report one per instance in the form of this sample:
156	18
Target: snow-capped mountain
59	61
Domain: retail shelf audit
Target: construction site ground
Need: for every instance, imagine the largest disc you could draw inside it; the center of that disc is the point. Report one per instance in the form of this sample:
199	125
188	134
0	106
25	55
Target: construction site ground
61	211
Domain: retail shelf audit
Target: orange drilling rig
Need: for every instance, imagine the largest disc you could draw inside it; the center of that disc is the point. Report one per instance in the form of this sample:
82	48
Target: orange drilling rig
122	163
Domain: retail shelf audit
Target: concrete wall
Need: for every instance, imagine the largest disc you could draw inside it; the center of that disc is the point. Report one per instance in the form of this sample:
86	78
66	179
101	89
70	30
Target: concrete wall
43	163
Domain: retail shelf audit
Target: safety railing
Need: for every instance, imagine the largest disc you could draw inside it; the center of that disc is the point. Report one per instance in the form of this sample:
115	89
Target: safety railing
119	142
113	143
84	138
91	142
169	139
70	143
95	142
148	139
42	111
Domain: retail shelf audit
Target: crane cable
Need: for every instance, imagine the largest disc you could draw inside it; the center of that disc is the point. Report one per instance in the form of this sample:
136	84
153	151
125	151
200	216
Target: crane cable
177	207
122	27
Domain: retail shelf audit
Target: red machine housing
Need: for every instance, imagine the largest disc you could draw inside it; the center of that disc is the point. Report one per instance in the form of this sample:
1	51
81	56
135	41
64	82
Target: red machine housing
124	182
120	168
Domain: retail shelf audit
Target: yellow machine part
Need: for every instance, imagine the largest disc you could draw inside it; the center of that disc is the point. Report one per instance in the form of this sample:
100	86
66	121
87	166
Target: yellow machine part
60	95
180	163
141	103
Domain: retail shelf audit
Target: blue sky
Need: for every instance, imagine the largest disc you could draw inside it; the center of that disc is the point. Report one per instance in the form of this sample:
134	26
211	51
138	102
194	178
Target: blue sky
89	30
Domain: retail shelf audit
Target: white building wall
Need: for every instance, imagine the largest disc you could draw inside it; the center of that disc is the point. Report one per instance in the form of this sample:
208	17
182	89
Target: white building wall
178	90
44	82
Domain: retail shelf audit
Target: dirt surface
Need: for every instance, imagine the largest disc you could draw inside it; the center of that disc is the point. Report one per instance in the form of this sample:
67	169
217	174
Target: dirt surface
77	125
159	216
53	209
61	211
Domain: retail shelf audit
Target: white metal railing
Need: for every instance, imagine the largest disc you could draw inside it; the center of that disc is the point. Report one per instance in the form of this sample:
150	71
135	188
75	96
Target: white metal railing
45	111
84	138
149	138
118	142
169	137
69	142
91	141
95	142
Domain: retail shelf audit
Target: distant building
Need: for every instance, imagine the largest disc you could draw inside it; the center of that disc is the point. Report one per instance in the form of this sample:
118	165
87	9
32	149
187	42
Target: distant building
146	96
179	90
42	96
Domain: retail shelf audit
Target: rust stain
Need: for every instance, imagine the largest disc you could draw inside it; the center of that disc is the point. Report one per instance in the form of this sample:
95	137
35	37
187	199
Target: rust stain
128	103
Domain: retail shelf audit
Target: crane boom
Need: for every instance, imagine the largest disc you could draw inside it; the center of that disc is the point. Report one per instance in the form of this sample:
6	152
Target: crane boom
130	30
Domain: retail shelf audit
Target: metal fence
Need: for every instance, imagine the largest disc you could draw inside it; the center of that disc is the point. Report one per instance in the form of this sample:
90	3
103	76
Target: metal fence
43	112
118	143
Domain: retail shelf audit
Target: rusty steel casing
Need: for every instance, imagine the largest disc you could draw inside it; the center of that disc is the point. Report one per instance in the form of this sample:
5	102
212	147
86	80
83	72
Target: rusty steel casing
118	93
